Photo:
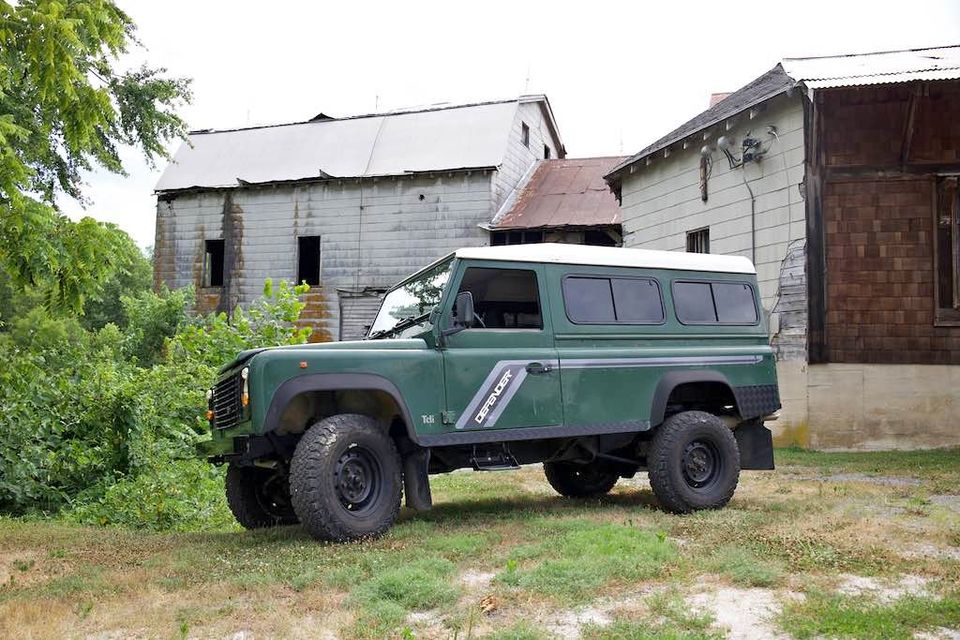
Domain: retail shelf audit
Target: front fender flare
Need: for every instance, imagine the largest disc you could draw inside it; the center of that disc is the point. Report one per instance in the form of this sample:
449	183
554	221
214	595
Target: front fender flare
293	387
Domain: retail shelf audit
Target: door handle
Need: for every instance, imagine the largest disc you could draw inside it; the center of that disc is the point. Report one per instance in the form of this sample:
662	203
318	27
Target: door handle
536	368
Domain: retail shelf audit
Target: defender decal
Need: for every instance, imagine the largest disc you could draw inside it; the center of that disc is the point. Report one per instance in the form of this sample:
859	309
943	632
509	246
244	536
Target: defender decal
506	377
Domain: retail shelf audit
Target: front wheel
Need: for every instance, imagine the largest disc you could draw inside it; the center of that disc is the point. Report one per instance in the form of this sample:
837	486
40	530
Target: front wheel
693	462
579	480
345	479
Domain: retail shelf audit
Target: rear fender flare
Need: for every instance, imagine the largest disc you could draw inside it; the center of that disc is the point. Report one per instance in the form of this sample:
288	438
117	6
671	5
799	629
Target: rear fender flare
671	381
293	387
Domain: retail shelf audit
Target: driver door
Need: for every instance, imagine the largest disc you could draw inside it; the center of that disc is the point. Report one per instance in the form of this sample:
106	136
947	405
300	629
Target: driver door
503	373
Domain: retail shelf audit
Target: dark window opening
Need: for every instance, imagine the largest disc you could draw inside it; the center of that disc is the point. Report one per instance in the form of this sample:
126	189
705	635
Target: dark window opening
546	152
947	250
213	263
598	238
504	298
698	241
525	134
715	303
499	238
308	260
593	300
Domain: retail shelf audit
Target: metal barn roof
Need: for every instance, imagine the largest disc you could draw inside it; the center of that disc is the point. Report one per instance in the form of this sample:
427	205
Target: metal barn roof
447	138
935	63
883	67
562	193
610	257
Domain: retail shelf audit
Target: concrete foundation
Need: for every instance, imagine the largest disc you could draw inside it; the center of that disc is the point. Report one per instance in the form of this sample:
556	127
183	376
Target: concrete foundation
868	406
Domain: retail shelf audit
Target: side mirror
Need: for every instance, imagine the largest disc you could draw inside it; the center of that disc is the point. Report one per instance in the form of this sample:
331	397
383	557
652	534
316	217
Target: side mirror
463	313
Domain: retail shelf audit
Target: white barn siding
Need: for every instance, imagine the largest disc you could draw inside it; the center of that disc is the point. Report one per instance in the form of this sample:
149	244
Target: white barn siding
661	201
373	233
518	157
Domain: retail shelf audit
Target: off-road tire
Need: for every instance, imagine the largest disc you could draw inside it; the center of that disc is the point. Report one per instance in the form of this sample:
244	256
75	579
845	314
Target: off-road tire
338	459
258	497
676	467
579	480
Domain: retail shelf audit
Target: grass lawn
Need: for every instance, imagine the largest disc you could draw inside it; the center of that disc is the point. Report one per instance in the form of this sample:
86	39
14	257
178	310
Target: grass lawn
862	545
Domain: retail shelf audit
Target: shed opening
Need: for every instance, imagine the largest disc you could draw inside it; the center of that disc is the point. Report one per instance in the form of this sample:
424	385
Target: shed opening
308	260
213	263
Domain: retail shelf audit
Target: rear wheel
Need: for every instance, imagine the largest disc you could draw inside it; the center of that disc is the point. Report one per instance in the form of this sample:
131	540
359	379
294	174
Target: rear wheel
579	480
693	462
345	479
259	497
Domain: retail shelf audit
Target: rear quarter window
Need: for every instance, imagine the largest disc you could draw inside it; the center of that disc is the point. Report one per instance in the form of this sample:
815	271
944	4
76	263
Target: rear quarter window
701	302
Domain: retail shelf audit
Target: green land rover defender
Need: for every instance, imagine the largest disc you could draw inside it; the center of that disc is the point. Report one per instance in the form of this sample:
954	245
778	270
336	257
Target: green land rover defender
598	362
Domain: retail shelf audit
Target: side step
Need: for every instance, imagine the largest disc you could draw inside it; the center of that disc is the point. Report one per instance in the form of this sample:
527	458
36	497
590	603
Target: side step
493	460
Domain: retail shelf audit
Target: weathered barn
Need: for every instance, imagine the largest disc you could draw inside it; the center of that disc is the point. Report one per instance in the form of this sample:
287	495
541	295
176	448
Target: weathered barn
348	205
838	176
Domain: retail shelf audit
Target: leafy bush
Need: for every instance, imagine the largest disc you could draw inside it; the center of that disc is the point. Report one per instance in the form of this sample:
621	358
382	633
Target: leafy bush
101	424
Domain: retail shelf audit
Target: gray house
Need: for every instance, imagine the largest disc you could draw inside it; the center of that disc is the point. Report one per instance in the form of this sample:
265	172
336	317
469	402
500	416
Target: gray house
348	205
838	177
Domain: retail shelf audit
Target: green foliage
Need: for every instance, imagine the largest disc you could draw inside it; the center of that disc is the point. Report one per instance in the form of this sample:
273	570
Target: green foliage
132	278
102	424
64	108
744	567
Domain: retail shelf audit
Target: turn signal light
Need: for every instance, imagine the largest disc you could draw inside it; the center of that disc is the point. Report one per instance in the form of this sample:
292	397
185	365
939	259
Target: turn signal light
209	414
245	399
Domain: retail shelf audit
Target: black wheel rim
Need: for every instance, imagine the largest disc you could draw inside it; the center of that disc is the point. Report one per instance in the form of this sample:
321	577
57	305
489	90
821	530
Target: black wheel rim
273	496
358	480
701	464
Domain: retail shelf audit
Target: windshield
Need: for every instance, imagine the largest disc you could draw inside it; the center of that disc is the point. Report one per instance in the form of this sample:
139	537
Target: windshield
415	299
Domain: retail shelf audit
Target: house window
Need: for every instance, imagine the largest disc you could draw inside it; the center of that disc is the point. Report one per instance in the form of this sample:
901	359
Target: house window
503	298
525	134
498	238
213	263
546	152
947	251
698	241
308	260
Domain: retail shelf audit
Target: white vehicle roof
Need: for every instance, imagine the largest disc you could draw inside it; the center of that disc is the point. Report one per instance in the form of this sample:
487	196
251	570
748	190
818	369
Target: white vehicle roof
610	257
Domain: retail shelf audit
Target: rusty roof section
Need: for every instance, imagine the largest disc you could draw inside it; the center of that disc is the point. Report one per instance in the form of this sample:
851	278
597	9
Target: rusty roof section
567	192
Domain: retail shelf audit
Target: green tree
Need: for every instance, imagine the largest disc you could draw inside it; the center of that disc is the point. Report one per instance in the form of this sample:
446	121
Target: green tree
65	107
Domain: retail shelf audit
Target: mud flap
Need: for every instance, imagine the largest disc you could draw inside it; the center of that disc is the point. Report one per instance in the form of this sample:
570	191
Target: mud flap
416	482
756	446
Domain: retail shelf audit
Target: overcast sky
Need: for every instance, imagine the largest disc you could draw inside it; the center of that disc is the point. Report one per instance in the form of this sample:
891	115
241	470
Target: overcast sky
618	75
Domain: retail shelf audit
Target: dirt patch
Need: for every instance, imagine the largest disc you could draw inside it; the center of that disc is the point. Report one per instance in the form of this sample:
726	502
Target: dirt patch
949	501
885	481
476	580
746	614
940	633
884	591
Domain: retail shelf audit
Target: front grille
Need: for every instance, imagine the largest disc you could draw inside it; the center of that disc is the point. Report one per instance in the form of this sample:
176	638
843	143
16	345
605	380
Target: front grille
226	402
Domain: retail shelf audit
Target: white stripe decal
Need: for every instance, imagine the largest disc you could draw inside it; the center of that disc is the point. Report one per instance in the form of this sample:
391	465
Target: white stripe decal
505	378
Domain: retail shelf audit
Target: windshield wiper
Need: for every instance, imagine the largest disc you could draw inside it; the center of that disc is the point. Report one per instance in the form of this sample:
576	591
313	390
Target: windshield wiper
400	326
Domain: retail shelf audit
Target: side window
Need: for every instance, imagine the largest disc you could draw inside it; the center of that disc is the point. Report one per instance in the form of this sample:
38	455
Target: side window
638	300
593	300
714	303
588	300
504	298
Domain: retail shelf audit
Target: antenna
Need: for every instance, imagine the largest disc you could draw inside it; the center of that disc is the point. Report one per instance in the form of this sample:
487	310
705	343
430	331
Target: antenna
376	102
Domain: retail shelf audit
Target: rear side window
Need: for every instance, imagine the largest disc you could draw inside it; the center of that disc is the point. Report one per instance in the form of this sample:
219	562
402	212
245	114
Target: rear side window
714	303
593	300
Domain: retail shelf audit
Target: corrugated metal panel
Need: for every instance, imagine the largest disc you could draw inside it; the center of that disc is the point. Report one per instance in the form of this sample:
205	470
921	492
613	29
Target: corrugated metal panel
441	139
940	63
559	193
357	312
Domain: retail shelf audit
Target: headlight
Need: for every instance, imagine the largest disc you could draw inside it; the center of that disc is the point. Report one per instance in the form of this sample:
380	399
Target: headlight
245	393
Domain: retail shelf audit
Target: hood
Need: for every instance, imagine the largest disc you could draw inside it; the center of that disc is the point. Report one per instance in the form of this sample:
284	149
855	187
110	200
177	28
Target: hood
358	345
